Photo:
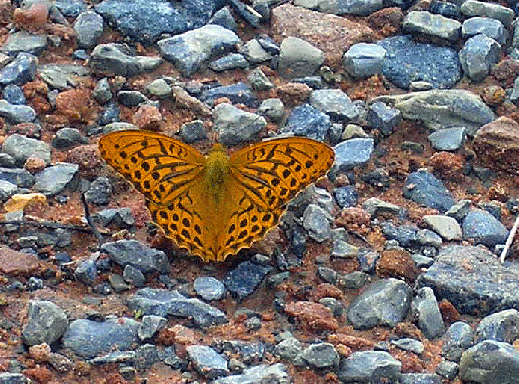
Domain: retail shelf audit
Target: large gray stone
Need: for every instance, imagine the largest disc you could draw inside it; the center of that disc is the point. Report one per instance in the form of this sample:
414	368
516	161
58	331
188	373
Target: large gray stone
46	323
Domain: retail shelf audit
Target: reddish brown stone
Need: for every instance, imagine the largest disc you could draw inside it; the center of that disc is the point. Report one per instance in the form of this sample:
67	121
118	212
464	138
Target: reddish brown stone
31	18
87	157
34	164
6	11
326	290
407	329
330	33
17	263
449	312
353	342
76	104
387	21
493	95
497	145
293	93
148	117
396	263
312	316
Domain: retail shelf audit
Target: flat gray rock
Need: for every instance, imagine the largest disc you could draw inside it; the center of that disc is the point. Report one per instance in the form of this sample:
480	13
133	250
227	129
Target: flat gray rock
115	59
21	147
46	323
52	180
234	125
261	373
448	139
298	58
478	55
364	60
353	152
89	28
207	361
427	23
136	254
189	50
384	302
482	227
369	367
438	109
24	42
147	20
87	338
490	362
488	286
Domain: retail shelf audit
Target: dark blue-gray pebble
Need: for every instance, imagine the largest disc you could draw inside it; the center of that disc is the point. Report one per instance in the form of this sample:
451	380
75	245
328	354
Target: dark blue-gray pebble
425	189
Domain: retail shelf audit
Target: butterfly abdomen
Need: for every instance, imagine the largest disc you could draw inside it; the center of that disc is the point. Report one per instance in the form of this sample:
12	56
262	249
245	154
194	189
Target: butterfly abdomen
217	172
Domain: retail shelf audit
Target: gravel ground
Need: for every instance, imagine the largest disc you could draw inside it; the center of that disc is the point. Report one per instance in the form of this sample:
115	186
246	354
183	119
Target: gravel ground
388	270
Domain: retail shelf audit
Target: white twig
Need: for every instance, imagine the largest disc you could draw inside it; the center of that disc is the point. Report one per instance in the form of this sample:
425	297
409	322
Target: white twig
509	240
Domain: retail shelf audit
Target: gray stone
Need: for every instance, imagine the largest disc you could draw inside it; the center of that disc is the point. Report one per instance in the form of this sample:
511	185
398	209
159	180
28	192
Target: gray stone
342	249
159	88
7	189
488	286
425	189
68	137
117	357
445	226
234	125
22	41
146	20
275	373
136	254
289	349
426	313
298	58
99	192
54	179
483	25
133	276
438	109
447	369
259	81
383	118
238	93
209	288
273	109
193	131
115	59
15	114
490	362
21	148
131	98
500	326
456	340
189	50
484	228
353	152
407	61
327	274
224	18
320	355
423	22
254	52
118	217
478	56
335	103
19	71
89	28
86	271
448	139
117	283
230	62
207	361
428	237
364	60
459	210
338	7
472	8
369	366
354	280
305	120
102	92
410	345
87	338
149	326
374	206
46	323
245	278
383	303
161	302
420	378
14	378
317	222
13	94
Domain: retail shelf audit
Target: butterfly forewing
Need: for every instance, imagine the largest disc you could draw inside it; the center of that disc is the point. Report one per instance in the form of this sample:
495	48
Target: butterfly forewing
273	172
159	167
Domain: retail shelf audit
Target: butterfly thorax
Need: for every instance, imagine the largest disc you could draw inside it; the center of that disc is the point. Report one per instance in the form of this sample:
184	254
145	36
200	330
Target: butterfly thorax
217	170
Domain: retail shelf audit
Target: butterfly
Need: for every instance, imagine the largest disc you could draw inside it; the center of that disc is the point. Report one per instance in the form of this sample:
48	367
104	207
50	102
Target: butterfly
215	205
